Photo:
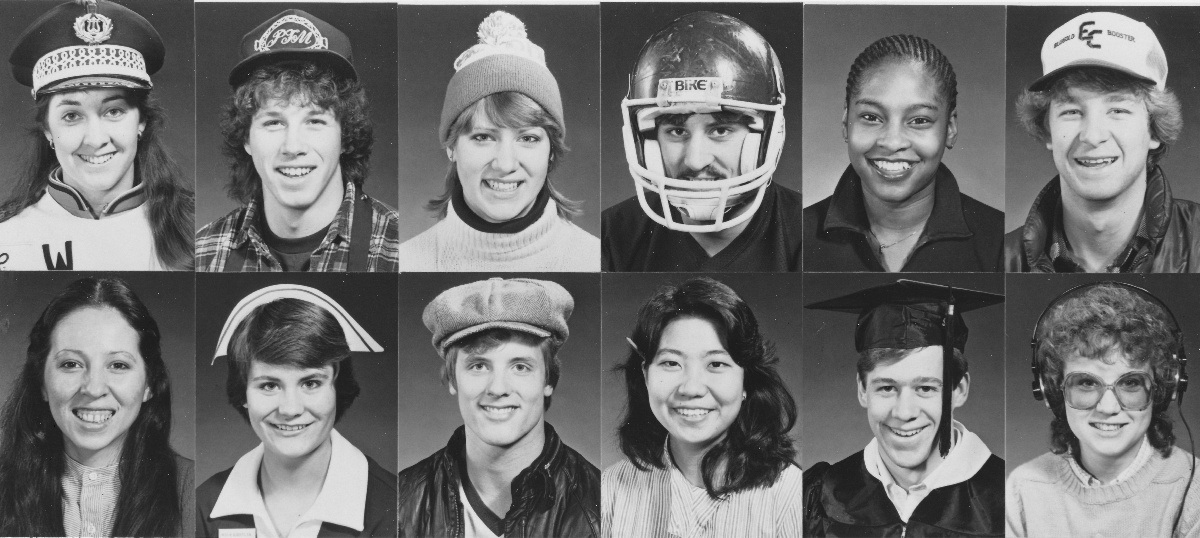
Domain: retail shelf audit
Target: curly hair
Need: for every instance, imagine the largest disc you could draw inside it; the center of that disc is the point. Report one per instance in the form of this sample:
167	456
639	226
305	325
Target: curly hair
170	201
32	451
1166	116
756	449
512	110
293	333
492	338
1107	322
304	84
905	48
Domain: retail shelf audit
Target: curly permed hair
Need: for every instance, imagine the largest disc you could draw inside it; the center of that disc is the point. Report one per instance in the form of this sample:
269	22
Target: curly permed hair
1104	322
304	83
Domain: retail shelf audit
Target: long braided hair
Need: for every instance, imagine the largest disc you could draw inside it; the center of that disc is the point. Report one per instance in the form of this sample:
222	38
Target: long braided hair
899	48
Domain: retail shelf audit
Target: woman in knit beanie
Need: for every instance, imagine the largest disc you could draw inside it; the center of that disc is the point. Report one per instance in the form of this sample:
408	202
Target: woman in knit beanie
503	131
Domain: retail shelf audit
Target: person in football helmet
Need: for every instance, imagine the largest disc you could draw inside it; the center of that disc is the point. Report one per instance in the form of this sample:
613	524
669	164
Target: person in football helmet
703	131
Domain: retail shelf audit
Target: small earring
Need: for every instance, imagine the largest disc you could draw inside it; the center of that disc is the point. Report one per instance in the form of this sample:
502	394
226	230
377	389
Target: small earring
139	135
51	144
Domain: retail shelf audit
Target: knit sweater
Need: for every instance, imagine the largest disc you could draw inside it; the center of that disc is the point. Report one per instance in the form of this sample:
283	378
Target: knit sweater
551	244
1046	499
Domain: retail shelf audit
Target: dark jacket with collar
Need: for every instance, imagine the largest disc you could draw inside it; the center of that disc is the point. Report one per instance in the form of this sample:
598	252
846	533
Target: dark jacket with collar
557	496
1172	226
843	499
962	234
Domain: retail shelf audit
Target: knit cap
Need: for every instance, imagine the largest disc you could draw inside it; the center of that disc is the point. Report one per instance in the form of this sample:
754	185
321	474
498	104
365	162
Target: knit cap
504	60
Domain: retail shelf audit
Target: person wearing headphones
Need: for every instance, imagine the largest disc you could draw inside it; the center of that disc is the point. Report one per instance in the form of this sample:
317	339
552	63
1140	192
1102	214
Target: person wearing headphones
1108	362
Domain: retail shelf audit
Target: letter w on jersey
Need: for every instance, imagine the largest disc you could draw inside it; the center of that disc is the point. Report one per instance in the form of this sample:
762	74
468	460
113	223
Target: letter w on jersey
58	264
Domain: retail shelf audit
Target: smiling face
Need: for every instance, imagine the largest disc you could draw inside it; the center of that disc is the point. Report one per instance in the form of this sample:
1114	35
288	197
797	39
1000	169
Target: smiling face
292	410
501	169
297	149
94	382
95	134
897	127
501	392
904	408
1109	436
695	387
1100	142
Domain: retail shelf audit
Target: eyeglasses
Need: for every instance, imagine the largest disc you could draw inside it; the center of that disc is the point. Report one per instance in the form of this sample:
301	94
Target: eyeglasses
1082	390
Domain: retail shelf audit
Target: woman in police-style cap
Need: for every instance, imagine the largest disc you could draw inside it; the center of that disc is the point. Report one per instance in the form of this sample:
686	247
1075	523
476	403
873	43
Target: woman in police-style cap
100	191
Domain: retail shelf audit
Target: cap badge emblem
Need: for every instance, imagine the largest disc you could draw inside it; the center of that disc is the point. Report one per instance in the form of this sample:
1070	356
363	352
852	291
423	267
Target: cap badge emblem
307	34
93	28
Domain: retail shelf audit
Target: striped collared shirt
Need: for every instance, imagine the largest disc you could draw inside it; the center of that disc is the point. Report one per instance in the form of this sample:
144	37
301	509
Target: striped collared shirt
239	231
661	503
89	499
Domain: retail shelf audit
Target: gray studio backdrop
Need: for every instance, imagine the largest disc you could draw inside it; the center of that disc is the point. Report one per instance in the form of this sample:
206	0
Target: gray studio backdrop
432	36
1028	425
625	27
971	37
169	297
773	297
1029	164
173	84
837	426
429	413
370	423
220	27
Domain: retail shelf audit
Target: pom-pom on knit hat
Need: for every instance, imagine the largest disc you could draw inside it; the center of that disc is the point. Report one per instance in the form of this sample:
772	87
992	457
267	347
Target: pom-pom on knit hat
504	60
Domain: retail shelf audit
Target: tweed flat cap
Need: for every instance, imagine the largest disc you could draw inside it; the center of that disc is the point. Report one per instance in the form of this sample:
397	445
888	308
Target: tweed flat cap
537	307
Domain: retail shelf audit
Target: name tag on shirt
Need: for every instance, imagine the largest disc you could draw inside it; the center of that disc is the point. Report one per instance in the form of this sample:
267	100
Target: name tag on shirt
236	533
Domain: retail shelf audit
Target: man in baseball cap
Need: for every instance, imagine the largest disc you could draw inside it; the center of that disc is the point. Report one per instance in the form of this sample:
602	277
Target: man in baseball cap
298	131
505	469
1104	111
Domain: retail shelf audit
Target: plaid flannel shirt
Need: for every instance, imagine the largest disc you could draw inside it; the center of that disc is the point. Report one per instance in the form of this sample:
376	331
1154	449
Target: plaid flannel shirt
239	230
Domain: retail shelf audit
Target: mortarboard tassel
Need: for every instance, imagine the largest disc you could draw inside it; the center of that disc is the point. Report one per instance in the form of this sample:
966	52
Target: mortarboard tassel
943	433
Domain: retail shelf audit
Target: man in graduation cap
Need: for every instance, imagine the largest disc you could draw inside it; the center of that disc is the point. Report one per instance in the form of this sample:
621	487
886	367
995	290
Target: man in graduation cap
923	474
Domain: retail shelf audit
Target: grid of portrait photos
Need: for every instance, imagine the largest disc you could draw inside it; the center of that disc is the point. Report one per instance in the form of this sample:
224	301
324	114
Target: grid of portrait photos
618	269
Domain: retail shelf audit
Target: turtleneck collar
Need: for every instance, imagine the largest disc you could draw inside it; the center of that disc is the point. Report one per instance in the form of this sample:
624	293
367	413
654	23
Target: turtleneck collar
73	201
516	225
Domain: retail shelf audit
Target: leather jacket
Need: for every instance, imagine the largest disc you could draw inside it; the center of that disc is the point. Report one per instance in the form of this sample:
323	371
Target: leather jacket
558	495
1167	241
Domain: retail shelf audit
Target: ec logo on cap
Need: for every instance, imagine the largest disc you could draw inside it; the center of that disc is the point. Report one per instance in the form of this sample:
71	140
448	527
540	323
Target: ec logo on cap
1086	35
307	34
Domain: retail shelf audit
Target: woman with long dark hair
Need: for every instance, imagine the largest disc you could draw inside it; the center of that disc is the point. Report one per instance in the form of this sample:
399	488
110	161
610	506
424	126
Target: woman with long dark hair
99	191
706	424
503	131
86	432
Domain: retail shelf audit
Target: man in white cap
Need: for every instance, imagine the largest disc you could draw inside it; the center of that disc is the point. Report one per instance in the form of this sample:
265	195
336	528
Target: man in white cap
1104	111
505	472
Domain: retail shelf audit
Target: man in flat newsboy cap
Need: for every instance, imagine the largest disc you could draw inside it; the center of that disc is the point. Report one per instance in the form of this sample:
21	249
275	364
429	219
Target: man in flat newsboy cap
924	474
298	131
505	472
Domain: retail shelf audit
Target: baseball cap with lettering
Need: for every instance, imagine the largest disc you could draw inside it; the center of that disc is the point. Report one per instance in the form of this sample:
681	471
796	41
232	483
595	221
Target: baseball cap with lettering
294	35
1104	40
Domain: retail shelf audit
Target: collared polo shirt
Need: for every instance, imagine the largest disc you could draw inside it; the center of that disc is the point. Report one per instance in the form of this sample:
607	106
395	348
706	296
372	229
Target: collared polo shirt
342	500
962	462
90	498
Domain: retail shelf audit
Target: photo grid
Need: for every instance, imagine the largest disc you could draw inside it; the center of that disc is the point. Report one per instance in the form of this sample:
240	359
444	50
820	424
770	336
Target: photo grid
609	269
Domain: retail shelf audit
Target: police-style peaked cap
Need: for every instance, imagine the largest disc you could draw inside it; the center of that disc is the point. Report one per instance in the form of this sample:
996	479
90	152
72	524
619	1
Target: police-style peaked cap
908	315
87	43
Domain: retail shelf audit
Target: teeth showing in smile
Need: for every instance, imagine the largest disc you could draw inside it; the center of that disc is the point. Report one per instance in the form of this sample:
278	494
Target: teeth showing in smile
295	171
290	428
892	167
97	159
502	186
94	417
498	412
1106	427
1097	162
903	433
693	413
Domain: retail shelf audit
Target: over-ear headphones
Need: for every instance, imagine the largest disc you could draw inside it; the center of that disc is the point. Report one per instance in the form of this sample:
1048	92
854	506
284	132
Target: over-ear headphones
1179	357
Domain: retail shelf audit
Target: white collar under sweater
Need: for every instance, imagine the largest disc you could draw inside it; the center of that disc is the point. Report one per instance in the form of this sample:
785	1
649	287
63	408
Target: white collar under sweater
966	457
551	243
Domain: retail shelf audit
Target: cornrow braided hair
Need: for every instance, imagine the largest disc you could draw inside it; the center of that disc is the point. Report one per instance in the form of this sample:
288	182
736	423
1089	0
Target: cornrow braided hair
905	47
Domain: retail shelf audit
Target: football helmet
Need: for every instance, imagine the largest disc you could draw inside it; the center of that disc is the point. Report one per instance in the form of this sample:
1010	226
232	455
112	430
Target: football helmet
702	63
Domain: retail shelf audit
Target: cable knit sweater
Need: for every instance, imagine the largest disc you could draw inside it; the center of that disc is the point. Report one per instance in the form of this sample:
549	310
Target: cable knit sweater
1046	499
552	244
